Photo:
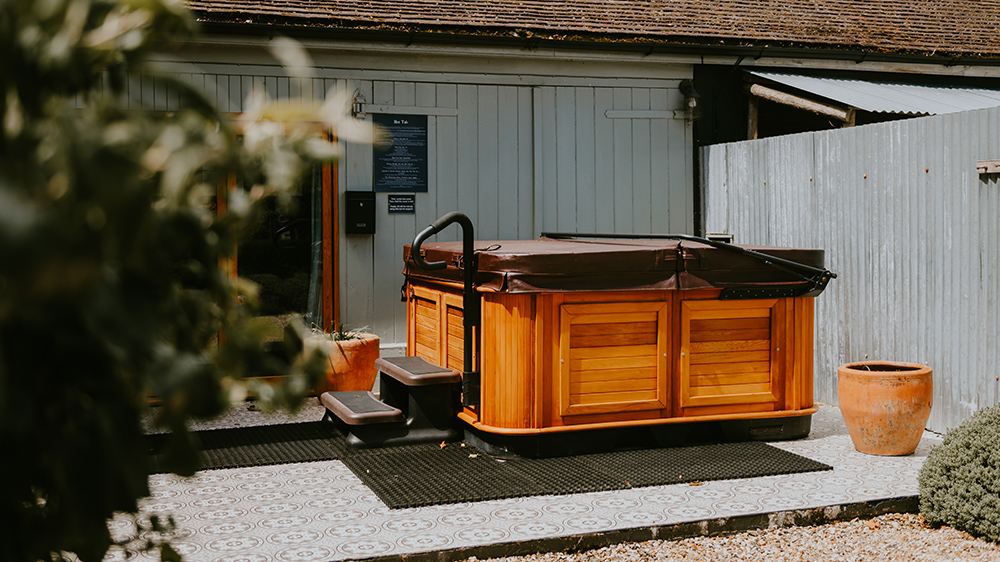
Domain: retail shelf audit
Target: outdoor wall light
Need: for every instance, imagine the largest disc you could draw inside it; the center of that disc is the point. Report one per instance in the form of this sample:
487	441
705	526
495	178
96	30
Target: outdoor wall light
692	100
358	105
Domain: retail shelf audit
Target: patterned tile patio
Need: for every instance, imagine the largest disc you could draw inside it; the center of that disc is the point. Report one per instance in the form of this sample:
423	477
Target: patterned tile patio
320	511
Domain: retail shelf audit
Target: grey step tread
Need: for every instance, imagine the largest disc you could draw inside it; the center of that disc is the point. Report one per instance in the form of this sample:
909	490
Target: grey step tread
416	371
360	408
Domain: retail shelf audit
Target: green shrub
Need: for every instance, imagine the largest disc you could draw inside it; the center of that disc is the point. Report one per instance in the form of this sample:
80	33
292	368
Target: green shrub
960	480
112	233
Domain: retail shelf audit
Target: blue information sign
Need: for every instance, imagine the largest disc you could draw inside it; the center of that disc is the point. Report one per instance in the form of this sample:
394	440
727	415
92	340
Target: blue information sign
400	153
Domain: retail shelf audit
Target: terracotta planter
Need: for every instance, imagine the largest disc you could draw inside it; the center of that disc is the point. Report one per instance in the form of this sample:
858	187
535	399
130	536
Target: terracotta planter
351	364
885	404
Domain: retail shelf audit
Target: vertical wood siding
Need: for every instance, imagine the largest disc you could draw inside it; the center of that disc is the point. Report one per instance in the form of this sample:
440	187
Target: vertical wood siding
520	160
911	229
625	175
517	159
507	357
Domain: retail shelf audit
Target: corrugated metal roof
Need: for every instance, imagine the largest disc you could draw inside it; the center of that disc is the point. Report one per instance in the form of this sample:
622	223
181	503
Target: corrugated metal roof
890	97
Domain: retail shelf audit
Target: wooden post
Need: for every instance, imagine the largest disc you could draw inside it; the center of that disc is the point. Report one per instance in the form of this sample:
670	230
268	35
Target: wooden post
839	113
330	246
222	192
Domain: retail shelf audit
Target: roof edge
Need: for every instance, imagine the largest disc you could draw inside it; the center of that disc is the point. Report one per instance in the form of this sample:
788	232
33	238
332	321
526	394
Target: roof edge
529	39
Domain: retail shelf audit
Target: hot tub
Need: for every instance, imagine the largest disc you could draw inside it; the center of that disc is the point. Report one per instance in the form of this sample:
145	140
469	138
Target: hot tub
597	333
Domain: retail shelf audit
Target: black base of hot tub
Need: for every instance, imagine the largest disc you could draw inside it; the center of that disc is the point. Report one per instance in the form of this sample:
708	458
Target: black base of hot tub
586	441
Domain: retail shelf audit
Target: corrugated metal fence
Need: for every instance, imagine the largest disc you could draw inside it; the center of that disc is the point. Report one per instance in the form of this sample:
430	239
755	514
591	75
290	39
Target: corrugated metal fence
911	229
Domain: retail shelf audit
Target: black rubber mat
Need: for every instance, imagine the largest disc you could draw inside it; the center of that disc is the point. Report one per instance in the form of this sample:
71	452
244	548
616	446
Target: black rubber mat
717	461
428	474
260	445
420	475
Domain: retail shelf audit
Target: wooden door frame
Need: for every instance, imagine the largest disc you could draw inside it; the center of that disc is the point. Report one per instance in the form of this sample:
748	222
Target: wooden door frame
330	237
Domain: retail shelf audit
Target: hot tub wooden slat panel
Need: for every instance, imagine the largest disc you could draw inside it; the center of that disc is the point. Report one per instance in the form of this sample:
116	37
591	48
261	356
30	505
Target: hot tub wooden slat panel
584	388
720	392
576	365
782	329
455	318
728	378
730	397
728	409
607	417
455	361
799	383
728	335
423	313
598	330
752	323
739	356
453	333
427	353
427	313
614	339
804	357
427	339
607	320
612	308
547	338
752	307
508	360
730	346
729	314
730	368
616	374
731	356
623	350
618	399
577	388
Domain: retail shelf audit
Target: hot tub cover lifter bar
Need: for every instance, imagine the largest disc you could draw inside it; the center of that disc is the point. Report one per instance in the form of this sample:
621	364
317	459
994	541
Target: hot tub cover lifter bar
816	277
470	299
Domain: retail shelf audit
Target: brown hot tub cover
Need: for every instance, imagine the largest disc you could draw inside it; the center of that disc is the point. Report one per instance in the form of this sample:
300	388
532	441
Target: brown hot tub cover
563	265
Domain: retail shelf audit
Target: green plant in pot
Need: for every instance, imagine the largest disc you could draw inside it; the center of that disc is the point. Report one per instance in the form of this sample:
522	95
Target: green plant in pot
351	356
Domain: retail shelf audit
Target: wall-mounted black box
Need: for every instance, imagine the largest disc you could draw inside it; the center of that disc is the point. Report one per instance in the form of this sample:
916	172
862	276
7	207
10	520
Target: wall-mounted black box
359	212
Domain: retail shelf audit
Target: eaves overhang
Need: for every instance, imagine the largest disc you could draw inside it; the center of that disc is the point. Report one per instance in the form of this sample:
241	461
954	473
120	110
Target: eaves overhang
528	39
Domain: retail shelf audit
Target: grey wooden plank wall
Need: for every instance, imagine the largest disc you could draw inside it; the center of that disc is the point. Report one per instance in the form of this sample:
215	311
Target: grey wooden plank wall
228	91
620	175
517	159
911	229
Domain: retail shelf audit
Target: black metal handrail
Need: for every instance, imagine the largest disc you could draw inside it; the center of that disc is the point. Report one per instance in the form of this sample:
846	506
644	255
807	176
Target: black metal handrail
470	299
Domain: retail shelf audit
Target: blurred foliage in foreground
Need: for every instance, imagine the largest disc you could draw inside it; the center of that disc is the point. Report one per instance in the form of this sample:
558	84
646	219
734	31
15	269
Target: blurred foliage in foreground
110	250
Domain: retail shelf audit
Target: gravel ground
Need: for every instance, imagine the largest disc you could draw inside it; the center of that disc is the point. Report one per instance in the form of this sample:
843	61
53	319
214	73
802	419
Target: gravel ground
896	537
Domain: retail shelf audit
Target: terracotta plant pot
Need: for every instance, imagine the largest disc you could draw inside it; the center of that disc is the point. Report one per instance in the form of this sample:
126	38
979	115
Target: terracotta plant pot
885	404
351	364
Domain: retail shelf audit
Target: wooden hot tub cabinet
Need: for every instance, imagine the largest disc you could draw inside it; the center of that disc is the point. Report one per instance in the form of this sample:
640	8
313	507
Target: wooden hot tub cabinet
558	354
555	360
